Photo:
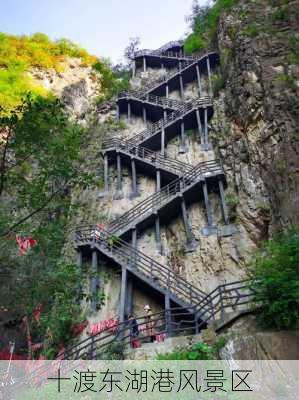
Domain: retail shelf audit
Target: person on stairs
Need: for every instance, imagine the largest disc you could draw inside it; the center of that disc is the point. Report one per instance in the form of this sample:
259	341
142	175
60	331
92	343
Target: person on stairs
149	332
134	330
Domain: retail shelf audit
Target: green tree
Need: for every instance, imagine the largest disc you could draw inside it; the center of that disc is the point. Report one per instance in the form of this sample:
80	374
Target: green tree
275	274
40	164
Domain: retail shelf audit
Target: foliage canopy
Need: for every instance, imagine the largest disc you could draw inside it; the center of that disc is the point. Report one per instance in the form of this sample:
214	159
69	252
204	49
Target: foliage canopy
40	163
18	54
275	274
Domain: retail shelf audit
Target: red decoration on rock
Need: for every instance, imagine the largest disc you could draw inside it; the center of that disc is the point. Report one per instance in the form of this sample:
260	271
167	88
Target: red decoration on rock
79	328
110	324
25	243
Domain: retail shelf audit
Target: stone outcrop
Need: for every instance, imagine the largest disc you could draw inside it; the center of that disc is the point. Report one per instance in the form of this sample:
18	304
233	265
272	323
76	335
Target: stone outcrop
255	131
247	341
77	85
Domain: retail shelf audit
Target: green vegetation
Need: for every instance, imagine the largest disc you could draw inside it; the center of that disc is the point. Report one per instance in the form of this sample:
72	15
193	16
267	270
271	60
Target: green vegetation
293	53
34	190
281	14
113	79
218	83
251	30
231	199
41	163
20	53
275	274
285	80
114	351
204	24
199	351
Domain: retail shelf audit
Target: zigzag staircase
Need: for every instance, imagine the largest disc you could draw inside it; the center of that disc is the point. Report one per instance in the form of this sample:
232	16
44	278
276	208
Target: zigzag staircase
184	179
145	268
226	300
145	211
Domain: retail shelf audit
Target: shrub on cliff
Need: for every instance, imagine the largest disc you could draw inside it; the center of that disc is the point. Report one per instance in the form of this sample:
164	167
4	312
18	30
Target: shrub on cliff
19	54
204	22
275	274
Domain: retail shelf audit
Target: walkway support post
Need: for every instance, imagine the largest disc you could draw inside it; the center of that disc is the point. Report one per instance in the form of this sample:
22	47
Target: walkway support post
167	91
144	64
129	299
190	244
181	87
183	138
163	142
199	126
133	69
134	179
198	81
209	229
158	180
129	112
119	194
168	315
209	77
164	114
106	174
94	283
144	113
134	245
79	267
123	294
206	144
206	125
223	202
158	232
207	204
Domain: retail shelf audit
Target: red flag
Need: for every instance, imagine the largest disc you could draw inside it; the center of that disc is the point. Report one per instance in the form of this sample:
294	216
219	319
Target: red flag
25	243
37	312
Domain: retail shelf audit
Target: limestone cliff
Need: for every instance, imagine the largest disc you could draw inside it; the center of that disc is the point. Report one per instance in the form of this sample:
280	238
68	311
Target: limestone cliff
76	84
254	133
256	129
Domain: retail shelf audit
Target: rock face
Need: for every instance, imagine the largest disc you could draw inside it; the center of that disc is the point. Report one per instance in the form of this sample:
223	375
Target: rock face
256	129
76	85
246	341
253	132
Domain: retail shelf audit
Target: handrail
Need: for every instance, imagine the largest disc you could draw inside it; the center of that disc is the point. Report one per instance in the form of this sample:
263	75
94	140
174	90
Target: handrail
230	295
168	192
126	254
165	52
149	98
179	69
169	322
175	166
195	301
165	122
